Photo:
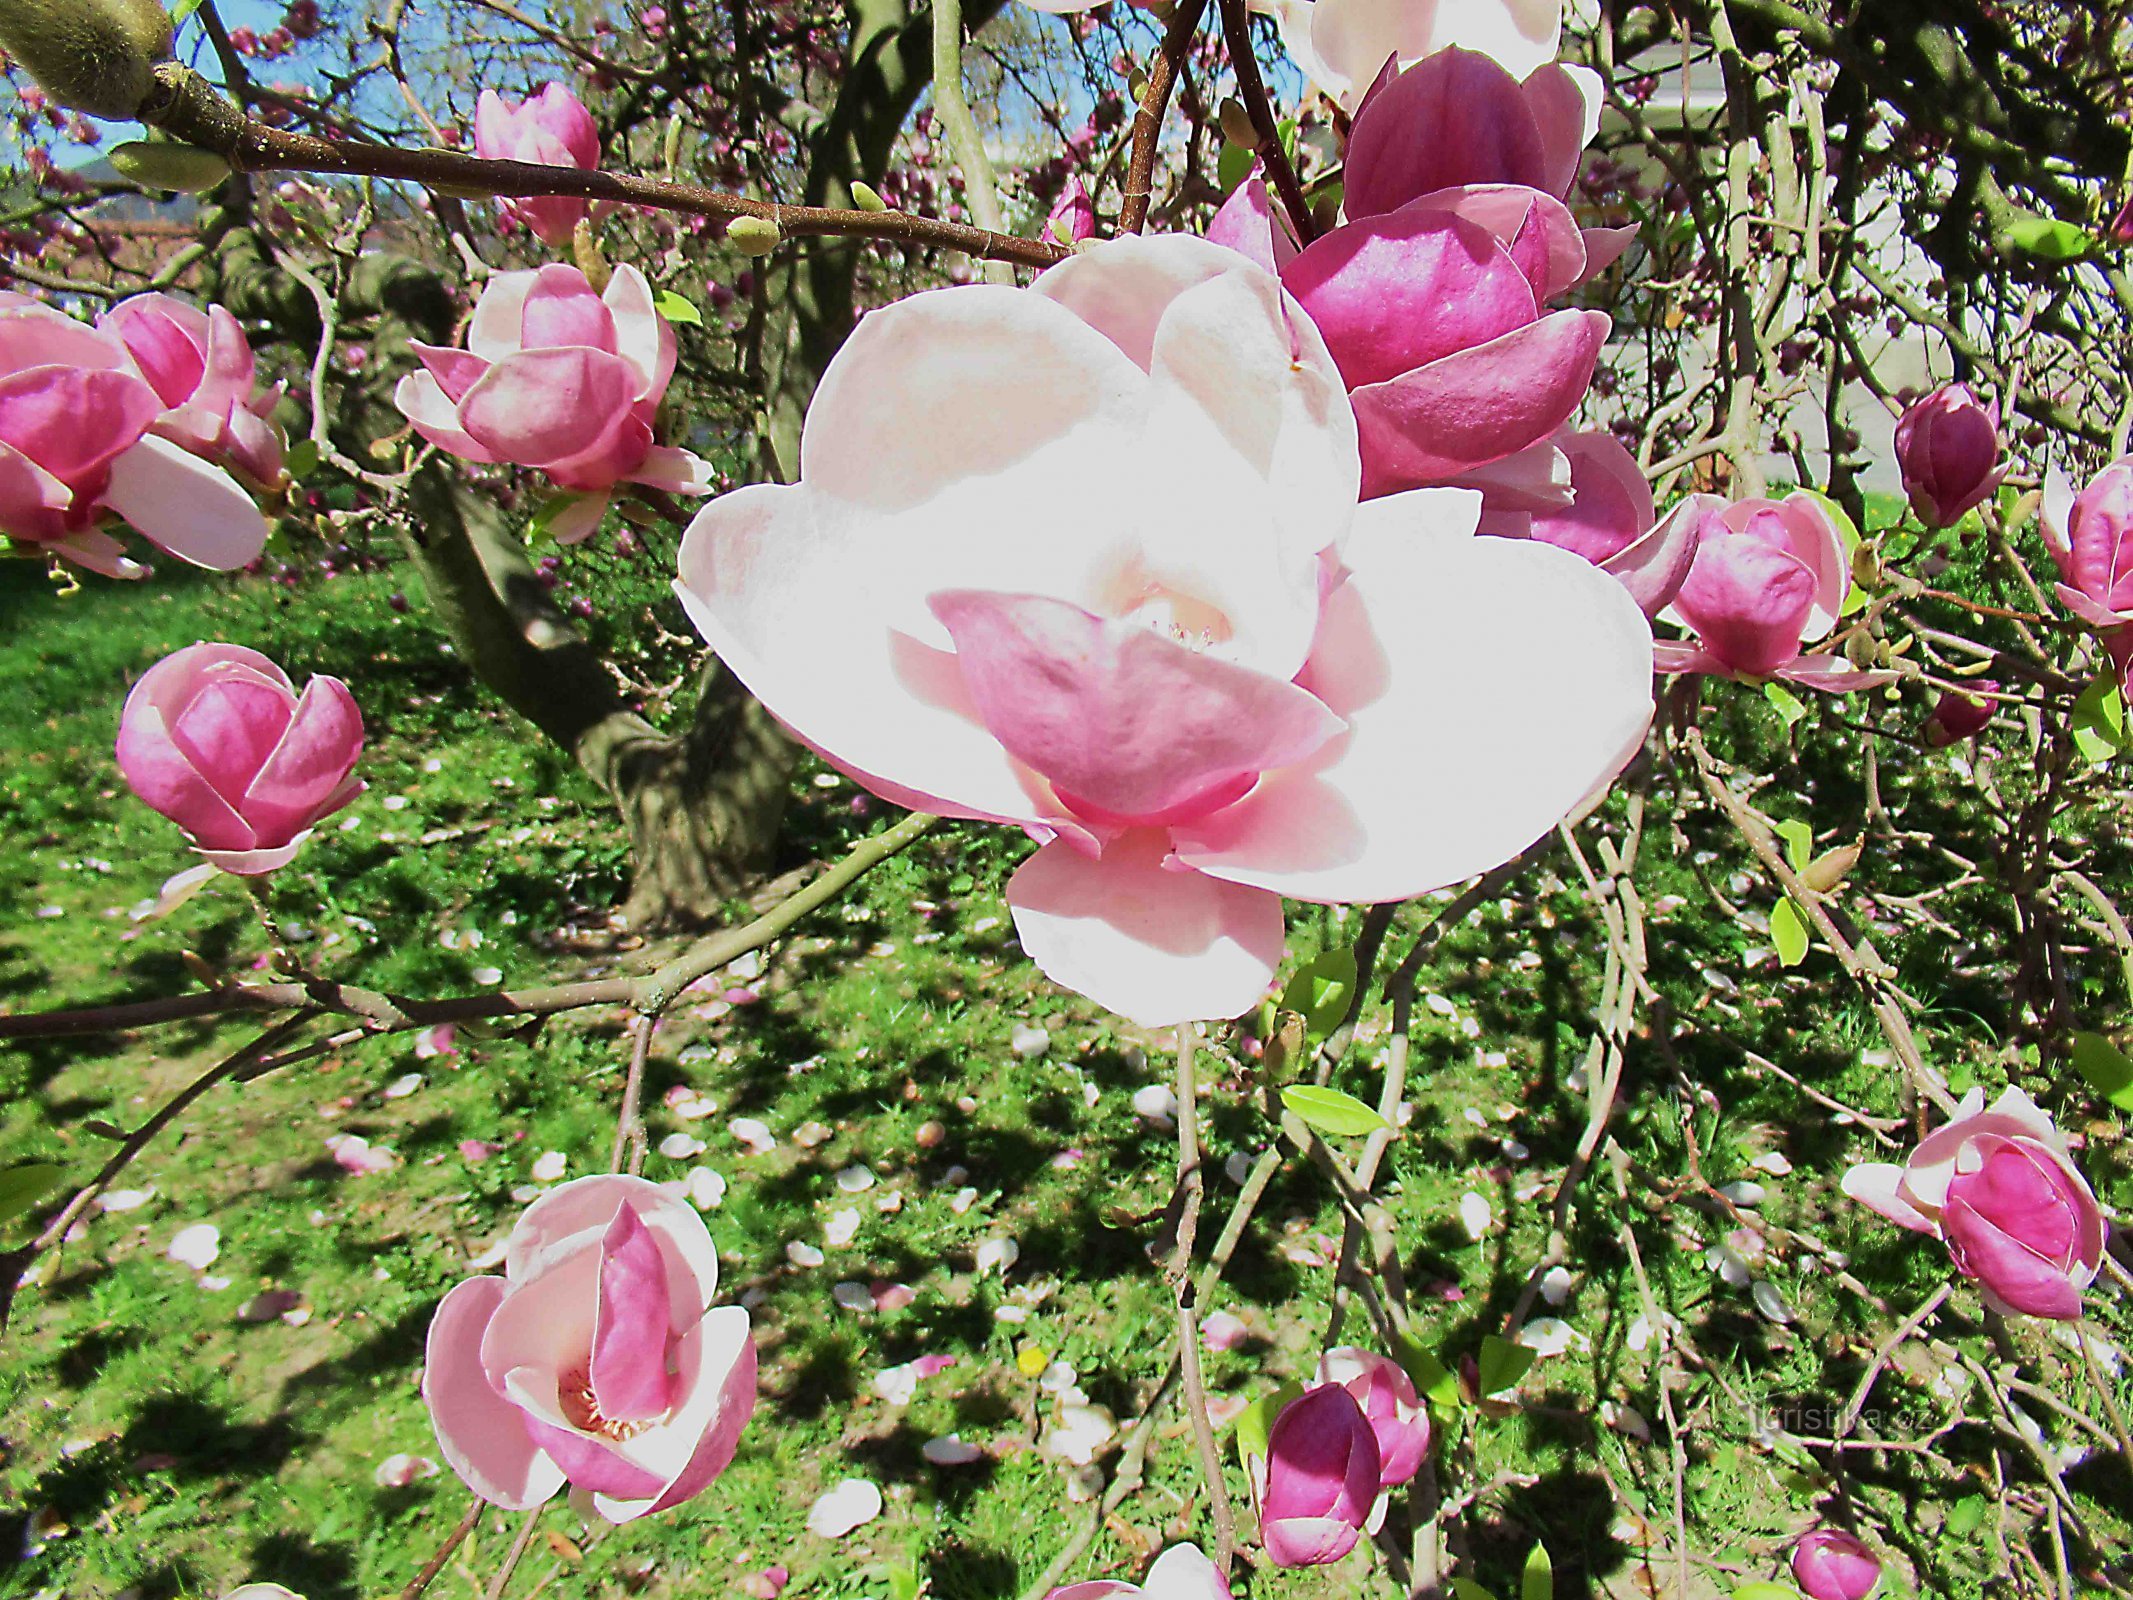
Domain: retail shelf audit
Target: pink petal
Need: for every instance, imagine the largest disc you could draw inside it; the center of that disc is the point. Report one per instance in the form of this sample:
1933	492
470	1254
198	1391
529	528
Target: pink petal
186	506
1128	726
72	421
1611	506
728	1375
497	328
422	400
561	309
307	771
455	370
1747	599
1252	225
1565	103
479	1431
548	407
643	337
1880	1187
1154	945
1453	119
1537	229
32	501
632	1324
1477	406
228	728
569	1212
159	772
167	339
1490	685
2004	1265
588	1463
1654	567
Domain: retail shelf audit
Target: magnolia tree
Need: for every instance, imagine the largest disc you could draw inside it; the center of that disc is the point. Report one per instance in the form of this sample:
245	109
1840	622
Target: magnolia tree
1351	483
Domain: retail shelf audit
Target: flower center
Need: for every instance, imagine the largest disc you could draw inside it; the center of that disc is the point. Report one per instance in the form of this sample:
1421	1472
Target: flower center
582	1411
1137	595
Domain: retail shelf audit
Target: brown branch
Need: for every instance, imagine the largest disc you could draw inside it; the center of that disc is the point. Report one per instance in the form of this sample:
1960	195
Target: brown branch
1251	89
452	1541
1148	115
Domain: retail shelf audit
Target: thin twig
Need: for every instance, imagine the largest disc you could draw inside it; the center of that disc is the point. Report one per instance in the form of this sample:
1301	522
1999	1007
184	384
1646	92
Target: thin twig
1148	115
452	1541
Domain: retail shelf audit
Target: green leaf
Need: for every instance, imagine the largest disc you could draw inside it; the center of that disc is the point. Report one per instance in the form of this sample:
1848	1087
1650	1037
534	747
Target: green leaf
1538	1581
1255	1423
1468	1589
302	458
903	1583
1966	1516
1322	991
1503	1363
1762	1590
2106	1067
2100	720
1232	167
675	308
1787	703
20	1186
1330	1111
1788	931
1799	842
541	529
181	10
1854	600
2048	239
1839	518
1433	1380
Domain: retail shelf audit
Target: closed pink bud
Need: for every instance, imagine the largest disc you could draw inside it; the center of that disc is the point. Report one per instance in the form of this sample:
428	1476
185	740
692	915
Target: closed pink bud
561	379
549	129
201	367
1390	1404
217	739
1948	448
2090	536
593	1361
1073	214
76	446
1831	1565
1957	716
1318	1480
2000	1190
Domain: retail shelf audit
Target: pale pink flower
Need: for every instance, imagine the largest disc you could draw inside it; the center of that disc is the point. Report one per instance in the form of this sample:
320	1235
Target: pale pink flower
593	1360
1342	45
76	447
549	129
217	739
201	367
561	379
2000	1190
1223	683
1180	1573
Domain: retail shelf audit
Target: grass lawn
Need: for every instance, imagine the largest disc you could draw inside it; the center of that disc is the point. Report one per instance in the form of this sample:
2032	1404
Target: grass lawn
166	1429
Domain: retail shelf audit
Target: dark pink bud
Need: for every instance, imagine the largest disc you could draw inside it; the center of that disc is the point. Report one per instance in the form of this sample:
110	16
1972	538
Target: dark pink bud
1831	1565
1948	448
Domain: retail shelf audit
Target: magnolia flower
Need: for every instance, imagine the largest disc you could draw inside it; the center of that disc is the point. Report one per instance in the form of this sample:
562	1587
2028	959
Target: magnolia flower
597	1359
561	379
1769	577
216	738
2090	537
1390	1405
201	367
1222	684
1957	716
1948	449
75	445
1179	1573
1342	45
1608	519
1318	1480
1999	1189
1434	315
549	129
1830	1564
1073	214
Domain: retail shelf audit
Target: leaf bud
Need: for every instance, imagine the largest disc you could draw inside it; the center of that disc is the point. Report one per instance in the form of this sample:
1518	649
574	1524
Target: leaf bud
180	168
754	236
866	199
97	56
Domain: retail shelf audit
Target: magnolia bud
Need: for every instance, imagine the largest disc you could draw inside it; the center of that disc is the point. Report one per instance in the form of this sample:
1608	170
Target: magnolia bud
1237	125
754	236
585	250
181	168
97	56
1827	872
864	197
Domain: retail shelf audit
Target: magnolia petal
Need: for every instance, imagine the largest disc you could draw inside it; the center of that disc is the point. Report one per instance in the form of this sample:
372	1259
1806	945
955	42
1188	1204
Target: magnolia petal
1433	784
432	413
729	1347
1832	675
1880	1186
1453	119
1183	1573
569	1210
1156	946
186	506
497	328
310	764
1250	224
631	1323
481	1433
549	407
643	337
1565	101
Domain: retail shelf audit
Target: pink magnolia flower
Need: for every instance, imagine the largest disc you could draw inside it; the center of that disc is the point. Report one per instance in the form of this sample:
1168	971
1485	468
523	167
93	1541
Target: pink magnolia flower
1231	685
1342	45
1318	1480
549	129
1179	1573
1830	1564
1769	576
593	1360
561	379
1956	717
1999	1189
216	738
201	367
1434	314
75	446
1390	1405
2090	537
1948	449
1073	214
1608	518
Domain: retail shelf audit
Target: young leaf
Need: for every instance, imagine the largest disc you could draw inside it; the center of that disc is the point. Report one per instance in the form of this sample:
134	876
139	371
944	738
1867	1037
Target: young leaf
1966	1516
1255	1423
2047	238
1468	1589
1503	1362
676	308
1788	931
1763	1590
2100	720
1799	842
1786	702
1434	1381
301	459
20	1187
1330	1111
2106	1067
1538	1581
1322	990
